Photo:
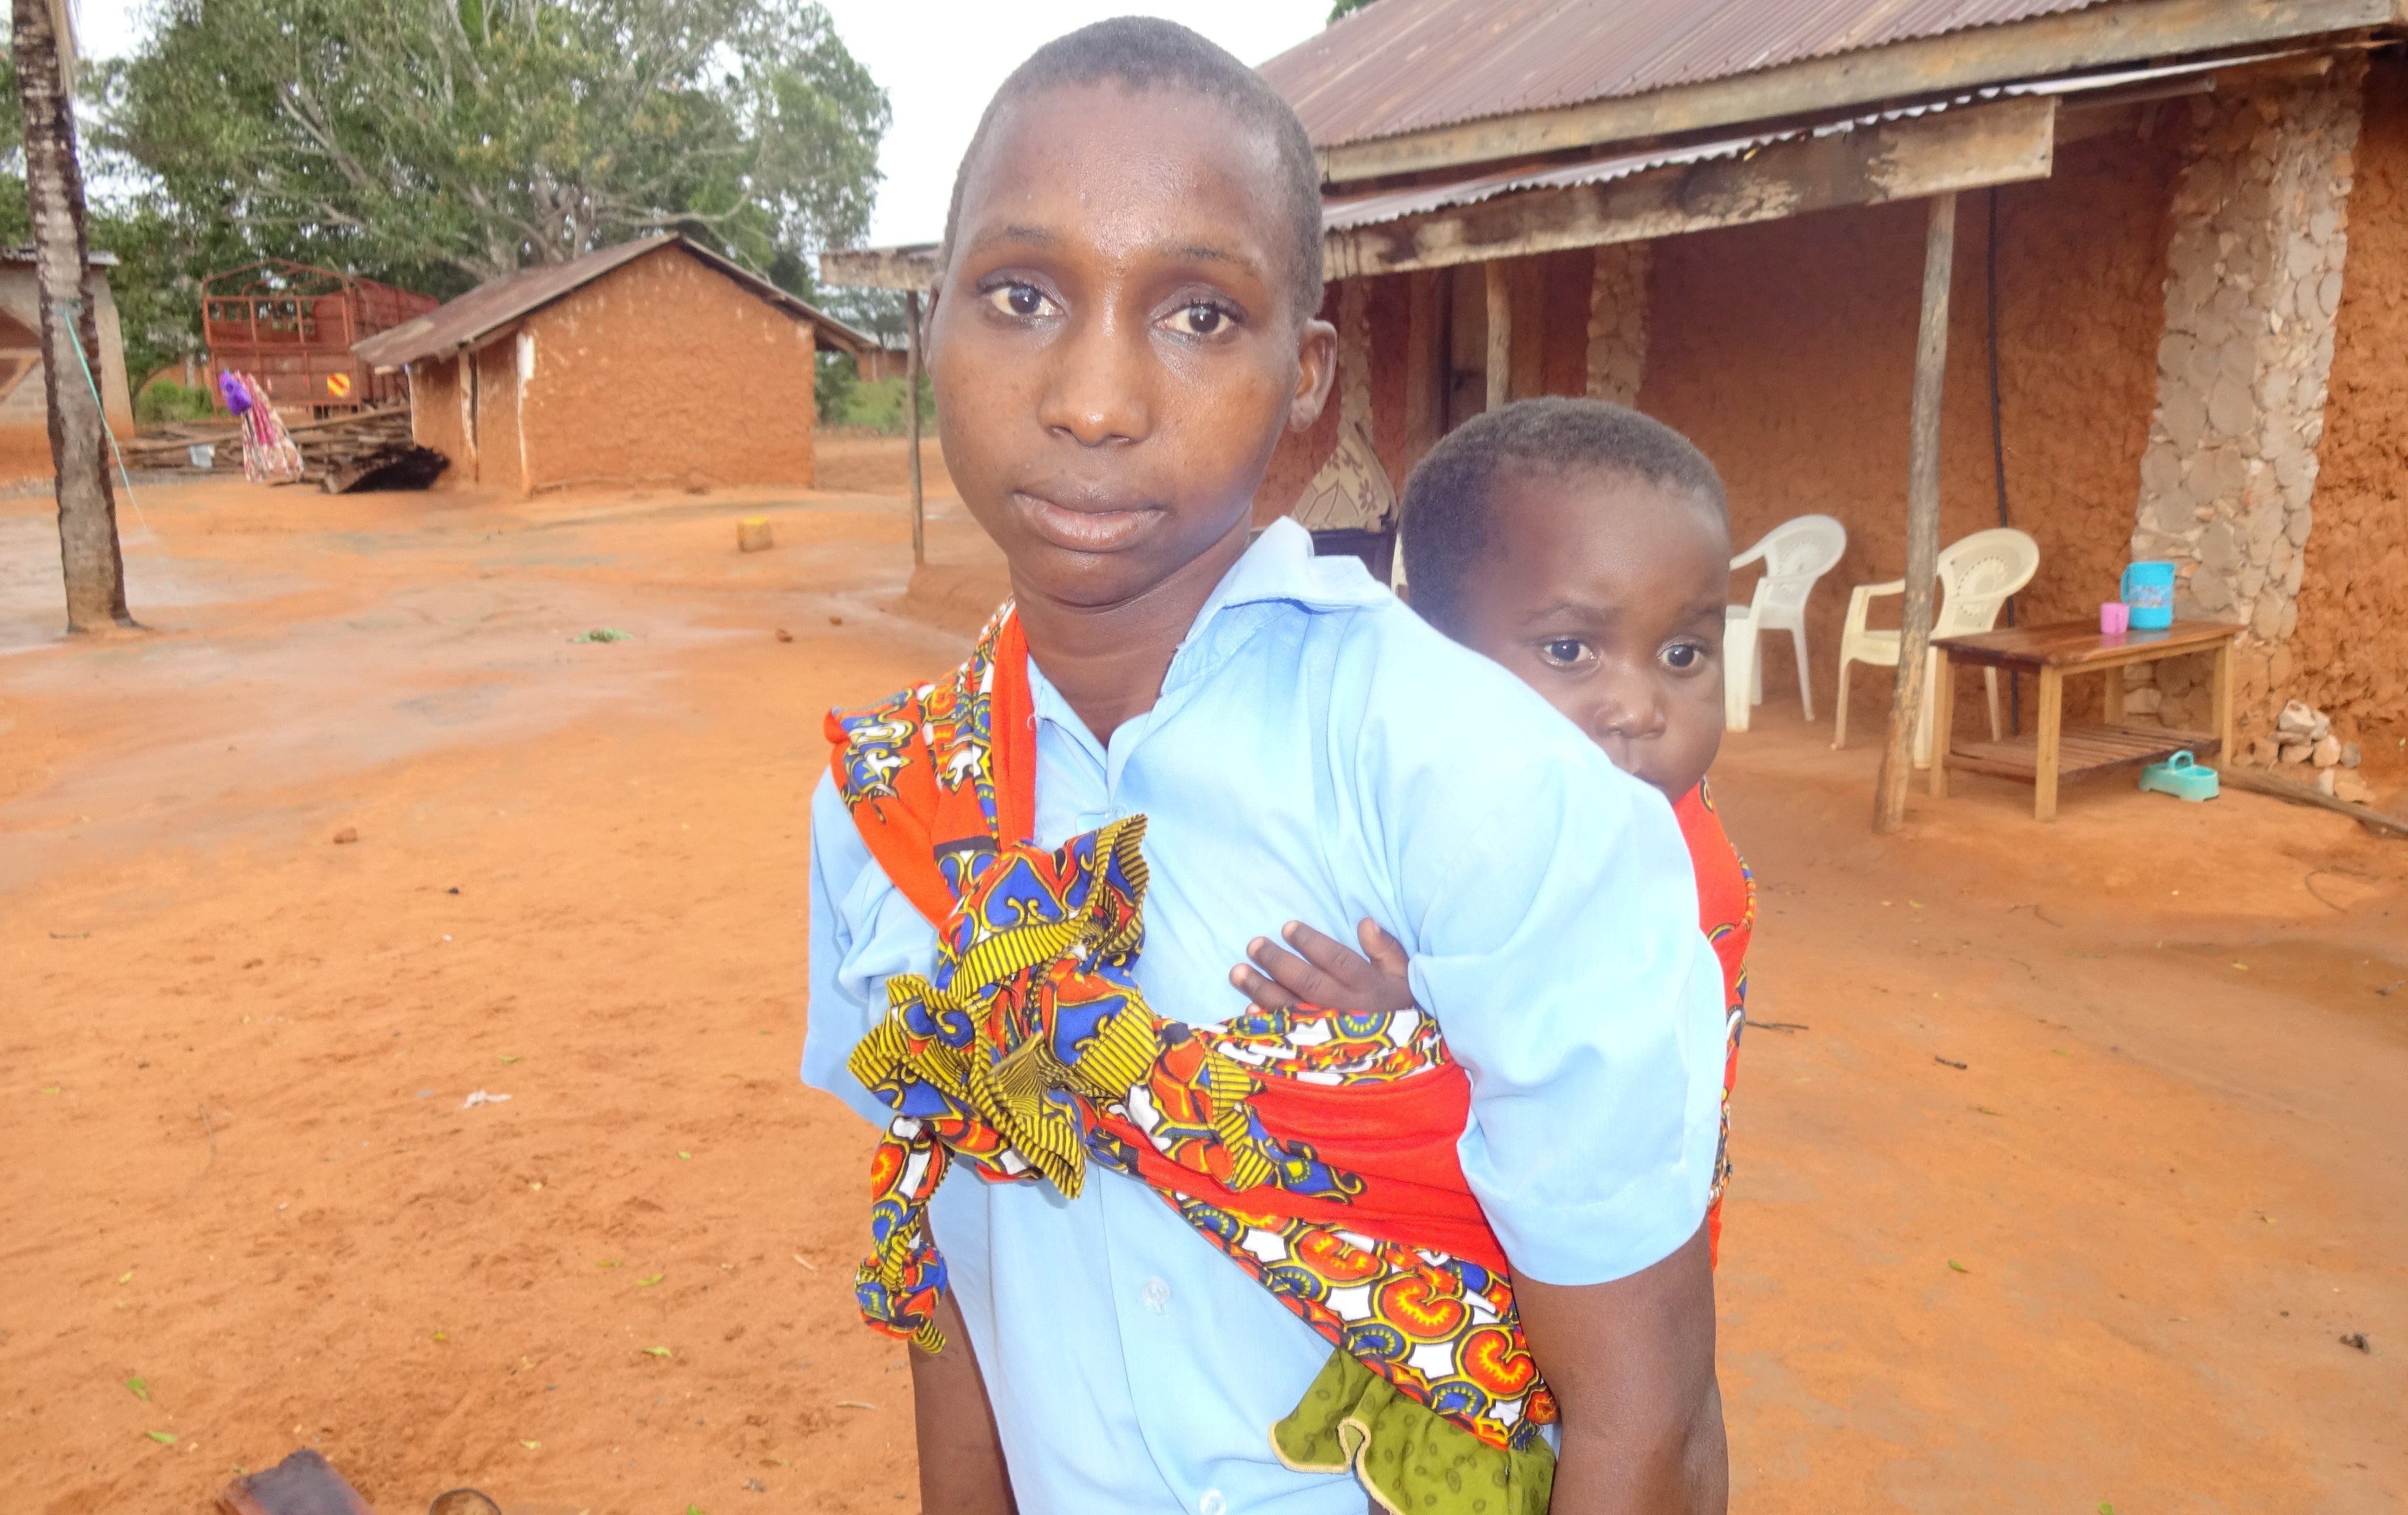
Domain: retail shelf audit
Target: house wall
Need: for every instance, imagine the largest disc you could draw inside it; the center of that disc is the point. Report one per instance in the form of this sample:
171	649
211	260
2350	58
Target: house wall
501	444
1389	303
2257	247
661	371
24	405
1564	281
2349	651
1430	338
1787	352
438	418
1617	323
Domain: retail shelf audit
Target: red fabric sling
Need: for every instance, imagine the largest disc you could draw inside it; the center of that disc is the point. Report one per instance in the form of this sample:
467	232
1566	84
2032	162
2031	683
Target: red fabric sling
1398	1137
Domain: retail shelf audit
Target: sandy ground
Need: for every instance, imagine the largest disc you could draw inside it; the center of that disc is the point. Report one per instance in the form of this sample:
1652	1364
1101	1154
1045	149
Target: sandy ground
2108	1261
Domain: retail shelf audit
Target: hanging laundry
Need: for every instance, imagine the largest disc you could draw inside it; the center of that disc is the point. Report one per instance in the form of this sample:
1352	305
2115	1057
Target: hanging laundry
268	455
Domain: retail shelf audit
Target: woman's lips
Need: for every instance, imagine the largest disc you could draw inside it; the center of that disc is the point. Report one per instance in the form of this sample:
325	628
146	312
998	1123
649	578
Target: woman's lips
1082	529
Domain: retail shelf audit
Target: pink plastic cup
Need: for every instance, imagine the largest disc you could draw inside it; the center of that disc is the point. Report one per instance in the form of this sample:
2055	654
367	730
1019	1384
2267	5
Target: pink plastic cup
2114	617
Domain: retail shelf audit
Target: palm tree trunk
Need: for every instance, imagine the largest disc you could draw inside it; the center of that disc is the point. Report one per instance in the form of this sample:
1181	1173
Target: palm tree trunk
88	548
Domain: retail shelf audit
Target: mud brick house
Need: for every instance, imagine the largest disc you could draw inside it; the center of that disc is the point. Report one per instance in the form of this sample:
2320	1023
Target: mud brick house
2179	299
24	401
654	362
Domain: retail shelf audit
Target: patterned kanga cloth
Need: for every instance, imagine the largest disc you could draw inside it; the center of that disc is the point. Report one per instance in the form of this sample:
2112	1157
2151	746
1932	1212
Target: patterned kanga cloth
1314	1147
268	455
1726	914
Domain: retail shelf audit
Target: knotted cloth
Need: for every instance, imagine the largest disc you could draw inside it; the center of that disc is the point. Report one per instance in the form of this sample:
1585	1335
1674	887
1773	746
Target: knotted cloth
1316	1148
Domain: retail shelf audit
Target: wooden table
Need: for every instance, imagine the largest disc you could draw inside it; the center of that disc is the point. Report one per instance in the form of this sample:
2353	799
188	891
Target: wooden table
2056	752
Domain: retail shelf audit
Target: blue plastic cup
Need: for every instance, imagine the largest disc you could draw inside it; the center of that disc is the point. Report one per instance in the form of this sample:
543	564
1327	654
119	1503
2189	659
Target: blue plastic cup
2148	588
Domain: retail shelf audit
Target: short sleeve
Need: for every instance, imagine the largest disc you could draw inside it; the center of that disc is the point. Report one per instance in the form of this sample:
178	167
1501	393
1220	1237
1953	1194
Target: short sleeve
862	933
1559	949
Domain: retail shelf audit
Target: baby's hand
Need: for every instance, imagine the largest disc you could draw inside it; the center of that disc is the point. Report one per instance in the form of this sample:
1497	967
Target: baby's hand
1328	974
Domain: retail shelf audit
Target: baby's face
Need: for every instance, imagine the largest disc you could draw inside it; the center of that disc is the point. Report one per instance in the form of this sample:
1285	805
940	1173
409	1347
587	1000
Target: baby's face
1605	595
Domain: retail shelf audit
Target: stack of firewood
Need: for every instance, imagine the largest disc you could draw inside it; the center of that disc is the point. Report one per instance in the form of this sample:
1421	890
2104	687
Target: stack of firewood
336	454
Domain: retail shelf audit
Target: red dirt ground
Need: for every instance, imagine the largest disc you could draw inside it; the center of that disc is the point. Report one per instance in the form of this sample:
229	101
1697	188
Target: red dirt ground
235	1053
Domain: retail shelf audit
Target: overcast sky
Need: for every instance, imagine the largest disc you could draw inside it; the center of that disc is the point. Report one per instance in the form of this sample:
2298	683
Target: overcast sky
938	60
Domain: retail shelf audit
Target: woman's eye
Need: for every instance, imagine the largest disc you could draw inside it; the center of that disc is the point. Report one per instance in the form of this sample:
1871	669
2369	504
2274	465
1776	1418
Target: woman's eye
1683	656
1199	320
1563	650
1023	300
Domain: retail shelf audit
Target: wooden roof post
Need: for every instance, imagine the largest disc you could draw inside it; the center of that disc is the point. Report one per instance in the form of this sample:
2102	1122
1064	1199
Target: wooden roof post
911	412
1922	519
1426	362
1500	334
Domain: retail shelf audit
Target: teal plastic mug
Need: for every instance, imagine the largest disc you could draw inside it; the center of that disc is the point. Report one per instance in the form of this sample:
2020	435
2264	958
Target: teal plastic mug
2149	590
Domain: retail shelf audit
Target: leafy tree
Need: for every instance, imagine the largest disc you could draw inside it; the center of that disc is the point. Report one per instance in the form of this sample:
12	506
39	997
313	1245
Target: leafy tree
16	220
158	295
878	312
1345	7
156	299
844	398
438	143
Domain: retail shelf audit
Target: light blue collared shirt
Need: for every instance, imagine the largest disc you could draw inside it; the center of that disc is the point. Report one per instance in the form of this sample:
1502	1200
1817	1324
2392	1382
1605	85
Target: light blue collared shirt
1318	753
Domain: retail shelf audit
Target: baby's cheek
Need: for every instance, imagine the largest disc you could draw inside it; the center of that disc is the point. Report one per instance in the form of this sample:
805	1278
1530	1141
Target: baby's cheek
1693	733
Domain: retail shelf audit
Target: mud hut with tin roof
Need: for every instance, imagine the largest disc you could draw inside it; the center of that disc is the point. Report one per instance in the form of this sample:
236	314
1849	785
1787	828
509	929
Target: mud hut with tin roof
655	361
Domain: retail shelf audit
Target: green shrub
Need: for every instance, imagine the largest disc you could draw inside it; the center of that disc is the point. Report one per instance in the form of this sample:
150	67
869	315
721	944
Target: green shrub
846	399
164	401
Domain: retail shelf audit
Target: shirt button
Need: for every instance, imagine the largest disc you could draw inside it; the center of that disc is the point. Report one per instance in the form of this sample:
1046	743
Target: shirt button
1157	1299
1211	1503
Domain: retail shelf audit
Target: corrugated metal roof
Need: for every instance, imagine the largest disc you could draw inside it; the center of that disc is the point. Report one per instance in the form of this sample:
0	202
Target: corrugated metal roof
498	303
1348	213
1408	65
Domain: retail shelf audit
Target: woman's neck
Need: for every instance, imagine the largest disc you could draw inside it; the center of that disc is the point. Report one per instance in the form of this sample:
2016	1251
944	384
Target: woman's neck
1107	661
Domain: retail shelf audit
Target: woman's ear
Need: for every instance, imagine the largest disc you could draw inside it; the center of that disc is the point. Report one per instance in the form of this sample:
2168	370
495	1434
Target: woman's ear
1317	367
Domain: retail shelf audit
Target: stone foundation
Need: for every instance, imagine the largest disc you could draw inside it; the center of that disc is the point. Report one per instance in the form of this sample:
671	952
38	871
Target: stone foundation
2254	279
1617	324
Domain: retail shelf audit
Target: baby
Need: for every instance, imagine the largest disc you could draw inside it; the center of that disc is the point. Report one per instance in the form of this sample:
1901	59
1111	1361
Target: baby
1586	547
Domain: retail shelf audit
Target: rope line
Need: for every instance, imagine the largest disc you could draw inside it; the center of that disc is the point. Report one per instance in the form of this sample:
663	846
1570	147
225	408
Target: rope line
73	311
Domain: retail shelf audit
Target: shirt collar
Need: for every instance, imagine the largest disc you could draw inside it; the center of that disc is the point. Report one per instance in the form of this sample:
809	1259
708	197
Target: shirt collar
1277	568
1279	565
1278	571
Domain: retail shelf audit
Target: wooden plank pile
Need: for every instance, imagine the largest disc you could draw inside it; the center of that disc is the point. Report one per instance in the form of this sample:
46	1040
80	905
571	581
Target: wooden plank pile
336	453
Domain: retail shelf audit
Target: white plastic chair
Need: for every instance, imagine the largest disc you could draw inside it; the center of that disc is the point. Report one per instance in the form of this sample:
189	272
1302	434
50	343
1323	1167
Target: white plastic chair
1977	573
1794	554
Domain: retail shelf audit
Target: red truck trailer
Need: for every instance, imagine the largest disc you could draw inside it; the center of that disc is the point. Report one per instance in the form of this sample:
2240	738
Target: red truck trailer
291	326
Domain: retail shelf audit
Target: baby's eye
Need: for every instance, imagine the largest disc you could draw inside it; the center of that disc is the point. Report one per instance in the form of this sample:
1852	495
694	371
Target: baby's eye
1199	320
1022	300
1564	651
1682	657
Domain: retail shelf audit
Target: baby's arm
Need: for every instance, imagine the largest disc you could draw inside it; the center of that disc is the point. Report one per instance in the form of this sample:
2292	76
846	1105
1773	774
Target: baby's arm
1324	971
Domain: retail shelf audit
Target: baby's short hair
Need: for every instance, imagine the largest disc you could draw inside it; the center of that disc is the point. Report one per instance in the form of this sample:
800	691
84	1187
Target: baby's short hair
1445	521
1144	53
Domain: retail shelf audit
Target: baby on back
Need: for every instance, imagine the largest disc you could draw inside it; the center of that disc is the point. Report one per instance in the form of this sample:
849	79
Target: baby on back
1586	548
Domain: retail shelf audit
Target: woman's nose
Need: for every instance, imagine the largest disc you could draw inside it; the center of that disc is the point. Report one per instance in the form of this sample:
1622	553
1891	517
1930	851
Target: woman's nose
1098	390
